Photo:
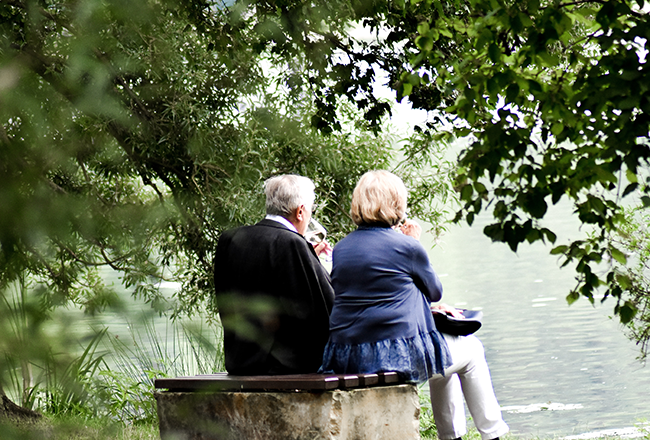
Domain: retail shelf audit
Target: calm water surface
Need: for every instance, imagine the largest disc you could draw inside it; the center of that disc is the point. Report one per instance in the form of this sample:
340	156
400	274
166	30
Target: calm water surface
558	370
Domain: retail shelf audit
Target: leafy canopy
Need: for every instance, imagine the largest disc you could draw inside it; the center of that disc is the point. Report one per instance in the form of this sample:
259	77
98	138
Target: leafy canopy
134	132
552	97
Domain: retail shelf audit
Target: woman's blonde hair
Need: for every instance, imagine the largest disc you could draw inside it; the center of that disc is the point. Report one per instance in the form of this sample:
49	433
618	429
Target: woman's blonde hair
379	198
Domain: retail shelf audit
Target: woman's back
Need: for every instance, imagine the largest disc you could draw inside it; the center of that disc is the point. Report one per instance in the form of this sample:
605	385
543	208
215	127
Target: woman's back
380	278
383	284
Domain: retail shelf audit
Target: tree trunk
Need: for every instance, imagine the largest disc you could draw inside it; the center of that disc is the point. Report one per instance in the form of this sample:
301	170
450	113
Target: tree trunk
9	410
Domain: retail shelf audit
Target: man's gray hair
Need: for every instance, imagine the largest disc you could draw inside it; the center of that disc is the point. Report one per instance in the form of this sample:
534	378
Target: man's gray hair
285	193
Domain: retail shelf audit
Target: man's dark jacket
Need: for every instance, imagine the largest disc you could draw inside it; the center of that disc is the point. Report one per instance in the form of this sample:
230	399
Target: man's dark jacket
274	298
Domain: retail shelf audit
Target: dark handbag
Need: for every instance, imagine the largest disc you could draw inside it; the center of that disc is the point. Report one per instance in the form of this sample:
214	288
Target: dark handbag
467	325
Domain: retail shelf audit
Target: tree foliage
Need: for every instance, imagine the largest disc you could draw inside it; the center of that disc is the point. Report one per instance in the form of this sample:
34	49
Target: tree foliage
555	98
631	273
552	96
133	133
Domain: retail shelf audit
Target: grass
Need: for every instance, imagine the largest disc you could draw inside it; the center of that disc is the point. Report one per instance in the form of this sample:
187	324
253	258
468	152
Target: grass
100	429
81	428
76	428
186	349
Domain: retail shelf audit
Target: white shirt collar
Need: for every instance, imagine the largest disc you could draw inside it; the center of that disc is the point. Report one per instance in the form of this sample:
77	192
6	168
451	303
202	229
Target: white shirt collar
280	219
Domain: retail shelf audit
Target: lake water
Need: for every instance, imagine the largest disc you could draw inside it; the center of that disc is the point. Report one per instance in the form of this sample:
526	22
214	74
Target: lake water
557	370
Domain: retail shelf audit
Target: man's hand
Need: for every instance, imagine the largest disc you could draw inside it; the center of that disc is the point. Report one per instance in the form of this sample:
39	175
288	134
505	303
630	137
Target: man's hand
323	248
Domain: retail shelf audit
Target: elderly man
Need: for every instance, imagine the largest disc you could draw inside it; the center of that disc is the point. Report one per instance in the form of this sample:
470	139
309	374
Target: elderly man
274	296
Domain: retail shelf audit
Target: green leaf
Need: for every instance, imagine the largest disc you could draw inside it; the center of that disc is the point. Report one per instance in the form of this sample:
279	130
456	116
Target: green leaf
624	281
466	193
548	59
631	176
495	232
646	201
446	32
424	43
629	102
493	87
494	53
618	255
627	312
557	128
512	92
550	235
572	297
559	250
406	89
630	188
525	20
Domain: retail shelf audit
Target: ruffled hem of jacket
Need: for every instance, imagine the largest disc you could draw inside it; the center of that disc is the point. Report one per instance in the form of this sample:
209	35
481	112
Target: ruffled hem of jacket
415	359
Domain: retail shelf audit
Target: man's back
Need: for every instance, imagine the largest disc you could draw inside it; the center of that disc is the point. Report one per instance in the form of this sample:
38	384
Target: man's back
274	299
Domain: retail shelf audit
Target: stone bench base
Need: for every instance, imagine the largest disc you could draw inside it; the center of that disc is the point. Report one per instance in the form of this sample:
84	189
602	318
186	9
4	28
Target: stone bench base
383	412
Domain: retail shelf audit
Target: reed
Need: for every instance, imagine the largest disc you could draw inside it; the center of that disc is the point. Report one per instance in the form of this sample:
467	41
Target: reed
184	348
58	368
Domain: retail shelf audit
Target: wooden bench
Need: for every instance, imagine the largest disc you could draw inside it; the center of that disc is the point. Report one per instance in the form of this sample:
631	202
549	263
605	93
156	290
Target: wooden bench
288	382
287	407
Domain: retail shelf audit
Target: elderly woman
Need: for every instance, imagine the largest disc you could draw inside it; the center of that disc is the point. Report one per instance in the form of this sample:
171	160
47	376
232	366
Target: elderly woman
381	318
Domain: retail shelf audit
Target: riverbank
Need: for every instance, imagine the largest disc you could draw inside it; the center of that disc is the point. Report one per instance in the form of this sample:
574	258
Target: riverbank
599	399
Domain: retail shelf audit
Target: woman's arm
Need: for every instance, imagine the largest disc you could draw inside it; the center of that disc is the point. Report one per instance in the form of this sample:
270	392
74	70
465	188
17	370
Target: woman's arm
423	274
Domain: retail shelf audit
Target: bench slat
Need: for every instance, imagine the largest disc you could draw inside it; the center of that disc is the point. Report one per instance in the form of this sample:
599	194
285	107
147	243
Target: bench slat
301	382
225	382
388	377
367	380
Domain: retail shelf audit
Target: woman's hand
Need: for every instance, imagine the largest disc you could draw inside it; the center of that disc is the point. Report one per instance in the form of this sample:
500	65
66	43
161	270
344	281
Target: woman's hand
411	228
449	310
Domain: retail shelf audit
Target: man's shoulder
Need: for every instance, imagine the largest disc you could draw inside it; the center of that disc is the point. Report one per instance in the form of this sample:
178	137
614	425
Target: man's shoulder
265	231
270	227
268	223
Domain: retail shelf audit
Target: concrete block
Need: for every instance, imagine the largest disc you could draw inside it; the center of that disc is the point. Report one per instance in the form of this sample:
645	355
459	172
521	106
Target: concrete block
388	412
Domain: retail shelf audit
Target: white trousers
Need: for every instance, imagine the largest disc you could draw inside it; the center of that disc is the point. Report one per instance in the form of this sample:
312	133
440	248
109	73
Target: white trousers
469	376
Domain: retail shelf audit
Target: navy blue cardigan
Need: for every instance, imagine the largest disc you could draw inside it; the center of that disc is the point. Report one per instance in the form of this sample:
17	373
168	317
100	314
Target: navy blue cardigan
383	283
